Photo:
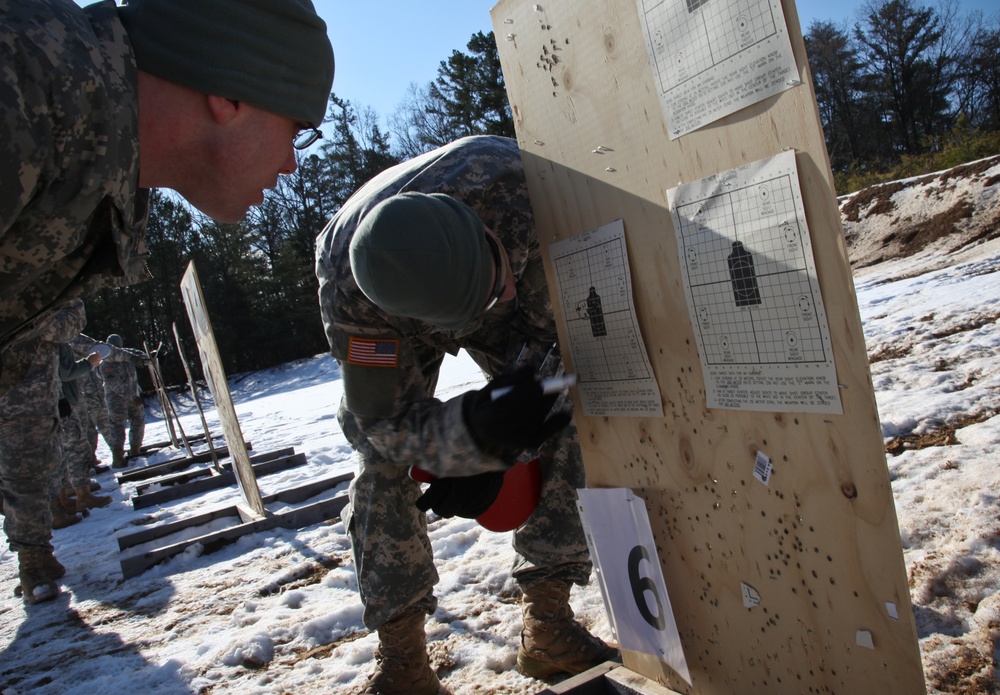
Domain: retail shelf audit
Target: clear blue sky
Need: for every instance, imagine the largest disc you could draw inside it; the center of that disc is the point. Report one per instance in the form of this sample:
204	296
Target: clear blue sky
383	47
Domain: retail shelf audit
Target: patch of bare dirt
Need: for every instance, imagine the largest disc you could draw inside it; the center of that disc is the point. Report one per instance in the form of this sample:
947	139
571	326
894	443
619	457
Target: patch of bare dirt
947	211
308	574
964	171
971	673
971	324
889	352
943	435
916	237
874	200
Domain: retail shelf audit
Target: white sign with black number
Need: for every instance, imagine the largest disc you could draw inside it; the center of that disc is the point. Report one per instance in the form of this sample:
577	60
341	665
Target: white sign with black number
621	544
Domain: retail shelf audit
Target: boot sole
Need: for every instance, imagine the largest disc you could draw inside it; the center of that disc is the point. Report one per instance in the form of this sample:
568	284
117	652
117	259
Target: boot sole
546	670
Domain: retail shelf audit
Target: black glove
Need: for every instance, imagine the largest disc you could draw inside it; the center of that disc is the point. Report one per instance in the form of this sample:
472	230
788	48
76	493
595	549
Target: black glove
65	409
467	497
517	420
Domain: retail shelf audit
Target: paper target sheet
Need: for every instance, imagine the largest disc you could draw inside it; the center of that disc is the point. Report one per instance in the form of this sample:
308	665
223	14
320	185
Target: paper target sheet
712	58
752	291
594	286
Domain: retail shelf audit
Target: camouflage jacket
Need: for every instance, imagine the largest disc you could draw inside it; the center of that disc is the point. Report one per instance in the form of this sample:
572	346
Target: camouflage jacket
71	215
36	393
118	371
389	363
71	372
91	388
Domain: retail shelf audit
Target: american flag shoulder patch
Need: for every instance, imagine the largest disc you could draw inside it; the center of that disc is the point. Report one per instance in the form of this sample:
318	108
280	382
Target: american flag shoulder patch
367	352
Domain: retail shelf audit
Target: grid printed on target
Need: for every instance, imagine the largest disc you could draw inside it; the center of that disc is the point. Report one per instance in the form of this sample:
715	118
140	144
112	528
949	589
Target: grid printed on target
597	308
692	36
747	271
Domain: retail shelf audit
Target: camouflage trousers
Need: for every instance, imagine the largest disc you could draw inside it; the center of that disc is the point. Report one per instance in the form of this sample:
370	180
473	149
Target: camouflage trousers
29	461
124	410
392	552
96	422
77	456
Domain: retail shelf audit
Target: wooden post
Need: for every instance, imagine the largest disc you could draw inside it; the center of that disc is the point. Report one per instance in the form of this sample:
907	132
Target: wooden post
197	400
211	364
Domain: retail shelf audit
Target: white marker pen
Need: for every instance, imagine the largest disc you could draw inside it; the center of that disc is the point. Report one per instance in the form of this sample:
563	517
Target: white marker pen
553	384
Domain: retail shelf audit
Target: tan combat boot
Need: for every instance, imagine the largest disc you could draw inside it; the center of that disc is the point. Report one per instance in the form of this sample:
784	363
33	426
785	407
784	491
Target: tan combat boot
552	642
403	667
53	566
67	499
85	499
61	516
118	458
36	572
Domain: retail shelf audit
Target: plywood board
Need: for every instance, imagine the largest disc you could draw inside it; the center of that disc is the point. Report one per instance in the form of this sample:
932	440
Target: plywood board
215	375
793	586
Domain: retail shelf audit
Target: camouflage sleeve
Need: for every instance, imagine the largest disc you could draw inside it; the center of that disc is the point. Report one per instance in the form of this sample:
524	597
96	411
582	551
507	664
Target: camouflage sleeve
124	354
68	321
82	345
70	368
389	398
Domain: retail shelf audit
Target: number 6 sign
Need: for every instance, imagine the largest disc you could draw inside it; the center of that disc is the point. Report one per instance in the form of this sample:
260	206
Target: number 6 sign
621	545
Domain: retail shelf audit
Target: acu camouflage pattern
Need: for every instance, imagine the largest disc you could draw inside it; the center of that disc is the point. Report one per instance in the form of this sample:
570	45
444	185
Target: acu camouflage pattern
71	216
121	390
29	435
73	443
95	406
390	415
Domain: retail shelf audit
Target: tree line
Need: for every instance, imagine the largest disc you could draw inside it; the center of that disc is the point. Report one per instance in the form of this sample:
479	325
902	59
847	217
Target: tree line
903	82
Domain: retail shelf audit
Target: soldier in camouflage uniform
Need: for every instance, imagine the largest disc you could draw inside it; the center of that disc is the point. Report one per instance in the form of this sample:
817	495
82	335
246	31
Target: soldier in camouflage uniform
75	447
390	352
79	87
124	398
95	407
30	458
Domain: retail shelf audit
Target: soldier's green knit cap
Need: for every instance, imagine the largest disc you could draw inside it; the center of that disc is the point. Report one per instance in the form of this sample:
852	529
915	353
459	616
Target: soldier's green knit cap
273	54
424	256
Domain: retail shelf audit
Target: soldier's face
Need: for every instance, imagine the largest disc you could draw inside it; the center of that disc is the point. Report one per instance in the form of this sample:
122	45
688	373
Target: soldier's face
244	159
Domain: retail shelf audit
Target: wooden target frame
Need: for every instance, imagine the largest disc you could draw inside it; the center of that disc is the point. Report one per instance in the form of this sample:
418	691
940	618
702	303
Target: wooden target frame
819	546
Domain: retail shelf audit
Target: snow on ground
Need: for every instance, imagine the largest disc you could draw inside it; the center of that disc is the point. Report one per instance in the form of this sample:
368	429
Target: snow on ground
278	612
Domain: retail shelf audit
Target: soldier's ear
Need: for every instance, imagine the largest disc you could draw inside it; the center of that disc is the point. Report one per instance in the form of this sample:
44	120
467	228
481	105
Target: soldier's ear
222	110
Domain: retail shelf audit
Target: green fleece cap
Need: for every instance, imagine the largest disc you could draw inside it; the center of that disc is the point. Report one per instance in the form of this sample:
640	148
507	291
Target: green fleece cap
424	256
273	54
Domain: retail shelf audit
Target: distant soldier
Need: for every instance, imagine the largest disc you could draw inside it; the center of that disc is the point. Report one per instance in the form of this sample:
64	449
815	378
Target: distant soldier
124	398
95	407
76	453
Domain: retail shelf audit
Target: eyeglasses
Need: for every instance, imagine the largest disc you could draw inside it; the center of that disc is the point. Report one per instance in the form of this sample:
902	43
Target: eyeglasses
306	137
501	275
